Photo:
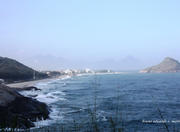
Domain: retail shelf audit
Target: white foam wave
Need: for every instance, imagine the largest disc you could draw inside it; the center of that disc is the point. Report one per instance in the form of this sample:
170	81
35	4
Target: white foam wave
54	116
46	98
49	95
58	93
101	116
46	83
66	77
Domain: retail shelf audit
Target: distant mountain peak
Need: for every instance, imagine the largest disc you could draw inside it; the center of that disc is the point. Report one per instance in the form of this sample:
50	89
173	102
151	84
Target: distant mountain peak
167	65
169	59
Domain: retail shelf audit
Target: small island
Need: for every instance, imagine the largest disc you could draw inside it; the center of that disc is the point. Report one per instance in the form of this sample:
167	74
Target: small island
168	65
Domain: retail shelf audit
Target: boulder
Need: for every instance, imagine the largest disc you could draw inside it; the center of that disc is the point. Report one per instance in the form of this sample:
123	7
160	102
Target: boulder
17	111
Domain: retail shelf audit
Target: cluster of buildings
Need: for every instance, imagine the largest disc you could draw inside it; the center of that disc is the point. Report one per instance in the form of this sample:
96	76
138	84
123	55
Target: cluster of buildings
75	72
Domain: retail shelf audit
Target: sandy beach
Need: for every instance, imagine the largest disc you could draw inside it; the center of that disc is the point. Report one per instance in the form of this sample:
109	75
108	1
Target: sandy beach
32	83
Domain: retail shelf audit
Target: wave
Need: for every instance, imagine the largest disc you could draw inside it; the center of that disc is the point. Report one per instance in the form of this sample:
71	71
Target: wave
66	77
49	95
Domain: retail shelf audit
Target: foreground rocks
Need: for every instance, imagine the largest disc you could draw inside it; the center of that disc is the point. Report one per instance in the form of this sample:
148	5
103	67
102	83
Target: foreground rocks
17	111
27	88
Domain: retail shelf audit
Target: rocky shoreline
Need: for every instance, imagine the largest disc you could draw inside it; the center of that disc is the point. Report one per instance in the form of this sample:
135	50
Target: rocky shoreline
17	111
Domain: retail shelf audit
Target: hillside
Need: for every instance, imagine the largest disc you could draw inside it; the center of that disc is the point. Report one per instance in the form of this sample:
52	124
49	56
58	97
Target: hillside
167	65
12	70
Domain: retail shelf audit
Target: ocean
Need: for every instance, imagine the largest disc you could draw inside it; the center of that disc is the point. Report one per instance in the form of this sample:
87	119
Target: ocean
126	102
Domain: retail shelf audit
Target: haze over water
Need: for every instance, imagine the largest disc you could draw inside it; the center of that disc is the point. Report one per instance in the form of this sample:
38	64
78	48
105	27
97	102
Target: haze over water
121	35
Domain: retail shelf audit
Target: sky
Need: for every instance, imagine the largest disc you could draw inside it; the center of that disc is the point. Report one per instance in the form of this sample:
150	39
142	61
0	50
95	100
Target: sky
97	34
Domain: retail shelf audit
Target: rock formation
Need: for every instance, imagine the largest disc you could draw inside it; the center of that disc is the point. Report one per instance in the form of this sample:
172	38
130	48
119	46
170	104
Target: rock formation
17	111
167	65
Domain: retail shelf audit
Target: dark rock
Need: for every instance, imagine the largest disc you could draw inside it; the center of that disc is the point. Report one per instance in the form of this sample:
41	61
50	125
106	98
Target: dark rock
27	88
1	81
17	111
32	96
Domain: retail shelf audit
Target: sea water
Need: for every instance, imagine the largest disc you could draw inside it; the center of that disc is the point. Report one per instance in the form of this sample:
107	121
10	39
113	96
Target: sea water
126	102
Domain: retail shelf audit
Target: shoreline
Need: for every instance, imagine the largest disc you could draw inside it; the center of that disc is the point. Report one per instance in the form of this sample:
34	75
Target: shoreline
33	83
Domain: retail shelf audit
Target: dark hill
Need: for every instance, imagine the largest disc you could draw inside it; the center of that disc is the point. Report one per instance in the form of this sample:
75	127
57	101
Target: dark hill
167	65
12	70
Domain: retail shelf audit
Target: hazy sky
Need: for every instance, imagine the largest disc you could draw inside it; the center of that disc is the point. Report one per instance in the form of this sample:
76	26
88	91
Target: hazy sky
116	34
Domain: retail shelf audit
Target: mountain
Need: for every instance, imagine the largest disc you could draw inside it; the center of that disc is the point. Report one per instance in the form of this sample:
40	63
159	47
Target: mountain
12	70
167	65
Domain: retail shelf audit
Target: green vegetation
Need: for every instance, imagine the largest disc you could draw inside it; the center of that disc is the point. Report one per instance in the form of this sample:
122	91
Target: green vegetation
12	70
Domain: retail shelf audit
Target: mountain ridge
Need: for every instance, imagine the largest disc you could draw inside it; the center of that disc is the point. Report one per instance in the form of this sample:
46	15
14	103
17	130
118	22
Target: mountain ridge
12	70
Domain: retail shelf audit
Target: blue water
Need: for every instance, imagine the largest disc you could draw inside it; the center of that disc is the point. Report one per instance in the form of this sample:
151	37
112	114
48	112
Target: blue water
112	101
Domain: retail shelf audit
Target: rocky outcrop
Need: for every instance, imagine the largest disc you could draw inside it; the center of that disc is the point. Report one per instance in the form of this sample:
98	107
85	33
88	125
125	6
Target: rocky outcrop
17	111
27	88
167	65
12	70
